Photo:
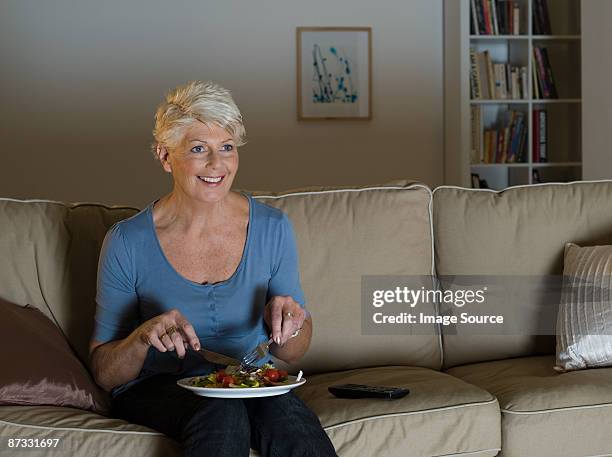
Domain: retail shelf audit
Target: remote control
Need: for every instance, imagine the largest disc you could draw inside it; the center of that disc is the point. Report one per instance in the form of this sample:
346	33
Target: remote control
363	391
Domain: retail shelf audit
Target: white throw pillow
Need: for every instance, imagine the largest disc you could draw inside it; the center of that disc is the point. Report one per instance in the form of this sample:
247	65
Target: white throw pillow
584	322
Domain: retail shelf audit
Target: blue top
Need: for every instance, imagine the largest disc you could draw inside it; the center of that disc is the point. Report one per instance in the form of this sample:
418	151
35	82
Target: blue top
137	282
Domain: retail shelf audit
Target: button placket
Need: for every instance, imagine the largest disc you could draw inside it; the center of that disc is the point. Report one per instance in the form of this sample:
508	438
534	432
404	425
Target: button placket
214	320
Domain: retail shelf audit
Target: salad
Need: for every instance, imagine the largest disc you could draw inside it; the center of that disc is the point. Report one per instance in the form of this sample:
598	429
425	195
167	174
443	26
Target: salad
233	376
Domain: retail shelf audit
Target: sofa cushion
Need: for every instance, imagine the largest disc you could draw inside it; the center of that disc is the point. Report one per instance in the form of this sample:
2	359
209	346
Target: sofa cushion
545	413
342	235
442	415
51	254
38	365
518	231
584	322
82	433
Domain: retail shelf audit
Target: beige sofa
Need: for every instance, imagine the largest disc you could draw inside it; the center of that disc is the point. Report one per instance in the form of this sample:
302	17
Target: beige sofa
470	395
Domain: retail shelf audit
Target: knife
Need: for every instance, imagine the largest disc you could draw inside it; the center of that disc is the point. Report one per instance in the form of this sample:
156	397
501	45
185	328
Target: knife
219	359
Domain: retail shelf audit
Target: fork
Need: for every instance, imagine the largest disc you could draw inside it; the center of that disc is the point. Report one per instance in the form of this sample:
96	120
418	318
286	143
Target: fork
258	353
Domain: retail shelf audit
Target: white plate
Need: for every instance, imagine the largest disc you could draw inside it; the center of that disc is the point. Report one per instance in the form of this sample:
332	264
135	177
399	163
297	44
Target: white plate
241	392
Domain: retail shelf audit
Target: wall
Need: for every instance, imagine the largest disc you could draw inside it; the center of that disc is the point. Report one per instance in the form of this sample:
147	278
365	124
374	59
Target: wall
596	95
80	81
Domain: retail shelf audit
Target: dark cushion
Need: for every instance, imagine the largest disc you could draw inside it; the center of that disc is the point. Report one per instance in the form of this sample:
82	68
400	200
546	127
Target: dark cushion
38	365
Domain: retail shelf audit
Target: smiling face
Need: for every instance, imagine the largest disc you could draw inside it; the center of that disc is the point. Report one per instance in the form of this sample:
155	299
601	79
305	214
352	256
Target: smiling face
204	163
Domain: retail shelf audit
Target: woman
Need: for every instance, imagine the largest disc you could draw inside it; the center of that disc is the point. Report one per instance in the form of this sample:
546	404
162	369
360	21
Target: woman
206	267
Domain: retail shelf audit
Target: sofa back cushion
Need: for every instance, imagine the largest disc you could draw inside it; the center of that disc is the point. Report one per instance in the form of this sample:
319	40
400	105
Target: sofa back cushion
49	253
342	235
520	231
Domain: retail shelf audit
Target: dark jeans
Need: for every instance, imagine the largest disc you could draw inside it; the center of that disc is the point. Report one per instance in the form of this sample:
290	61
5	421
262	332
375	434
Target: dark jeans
280	426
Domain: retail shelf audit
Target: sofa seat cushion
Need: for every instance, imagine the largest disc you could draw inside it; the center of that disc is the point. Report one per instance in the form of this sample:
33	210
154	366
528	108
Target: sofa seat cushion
545	413
442	415
82	433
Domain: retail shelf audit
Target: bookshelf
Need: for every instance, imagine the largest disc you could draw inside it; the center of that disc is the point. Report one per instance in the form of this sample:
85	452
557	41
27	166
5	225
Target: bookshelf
496	154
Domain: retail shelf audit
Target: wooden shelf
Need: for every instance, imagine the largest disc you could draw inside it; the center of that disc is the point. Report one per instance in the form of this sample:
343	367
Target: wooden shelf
499	37
534	164
557	164
511	101
527	37
501	101
555	100
488	165
556	37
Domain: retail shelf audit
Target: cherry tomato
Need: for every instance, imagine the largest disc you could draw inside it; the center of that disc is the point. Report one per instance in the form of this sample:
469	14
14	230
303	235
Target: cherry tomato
282	375
227	380
220	375
272	374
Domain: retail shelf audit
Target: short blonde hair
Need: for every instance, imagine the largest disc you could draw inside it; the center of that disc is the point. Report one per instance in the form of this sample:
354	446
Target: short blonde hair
203	101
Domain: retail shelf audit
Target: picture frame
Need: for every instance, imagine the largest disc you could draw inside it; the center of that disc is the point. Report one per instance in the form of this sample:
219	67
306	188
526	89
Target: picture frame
334	73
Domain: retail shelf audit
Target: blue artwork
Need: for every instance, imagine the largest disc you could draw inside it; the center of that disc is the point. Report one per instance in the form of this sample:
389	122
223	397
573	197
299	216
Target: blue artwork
332	76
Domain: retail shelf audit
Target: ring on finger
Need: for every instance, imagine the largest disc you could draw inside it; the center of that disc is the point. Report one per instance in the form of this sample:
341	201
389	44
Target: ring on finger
289	314
170	330
170	345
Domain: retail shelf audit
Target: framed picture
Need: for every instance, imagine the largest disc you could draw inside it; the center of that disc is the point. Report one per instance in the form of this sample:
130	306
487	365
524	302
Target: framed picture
334	73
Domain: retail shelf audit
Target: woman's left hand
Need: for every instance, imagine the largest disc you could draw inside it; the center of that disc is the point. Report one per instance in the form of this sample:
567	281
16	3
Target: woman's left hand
284	316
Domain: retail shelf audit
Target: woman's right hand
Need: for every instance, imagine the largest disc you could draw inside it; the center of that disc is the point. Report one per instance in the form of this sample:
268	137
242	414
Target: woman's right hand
169	331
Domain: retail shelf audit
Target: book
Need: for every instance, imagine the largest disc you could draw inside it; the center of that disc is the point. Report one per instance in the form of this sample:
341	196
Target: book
541	18
515	86
500	81
535	80
547	87
535	21
487	17
503	142
493	9
535	136
524	83
493	145
516	132
508	81
507	138
483	72
474	26
499	154
496	81
516	19
490	73
549	73
543	136
476	155
481	19
475	88
495	17
547	24
541	72
501	17
522	150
